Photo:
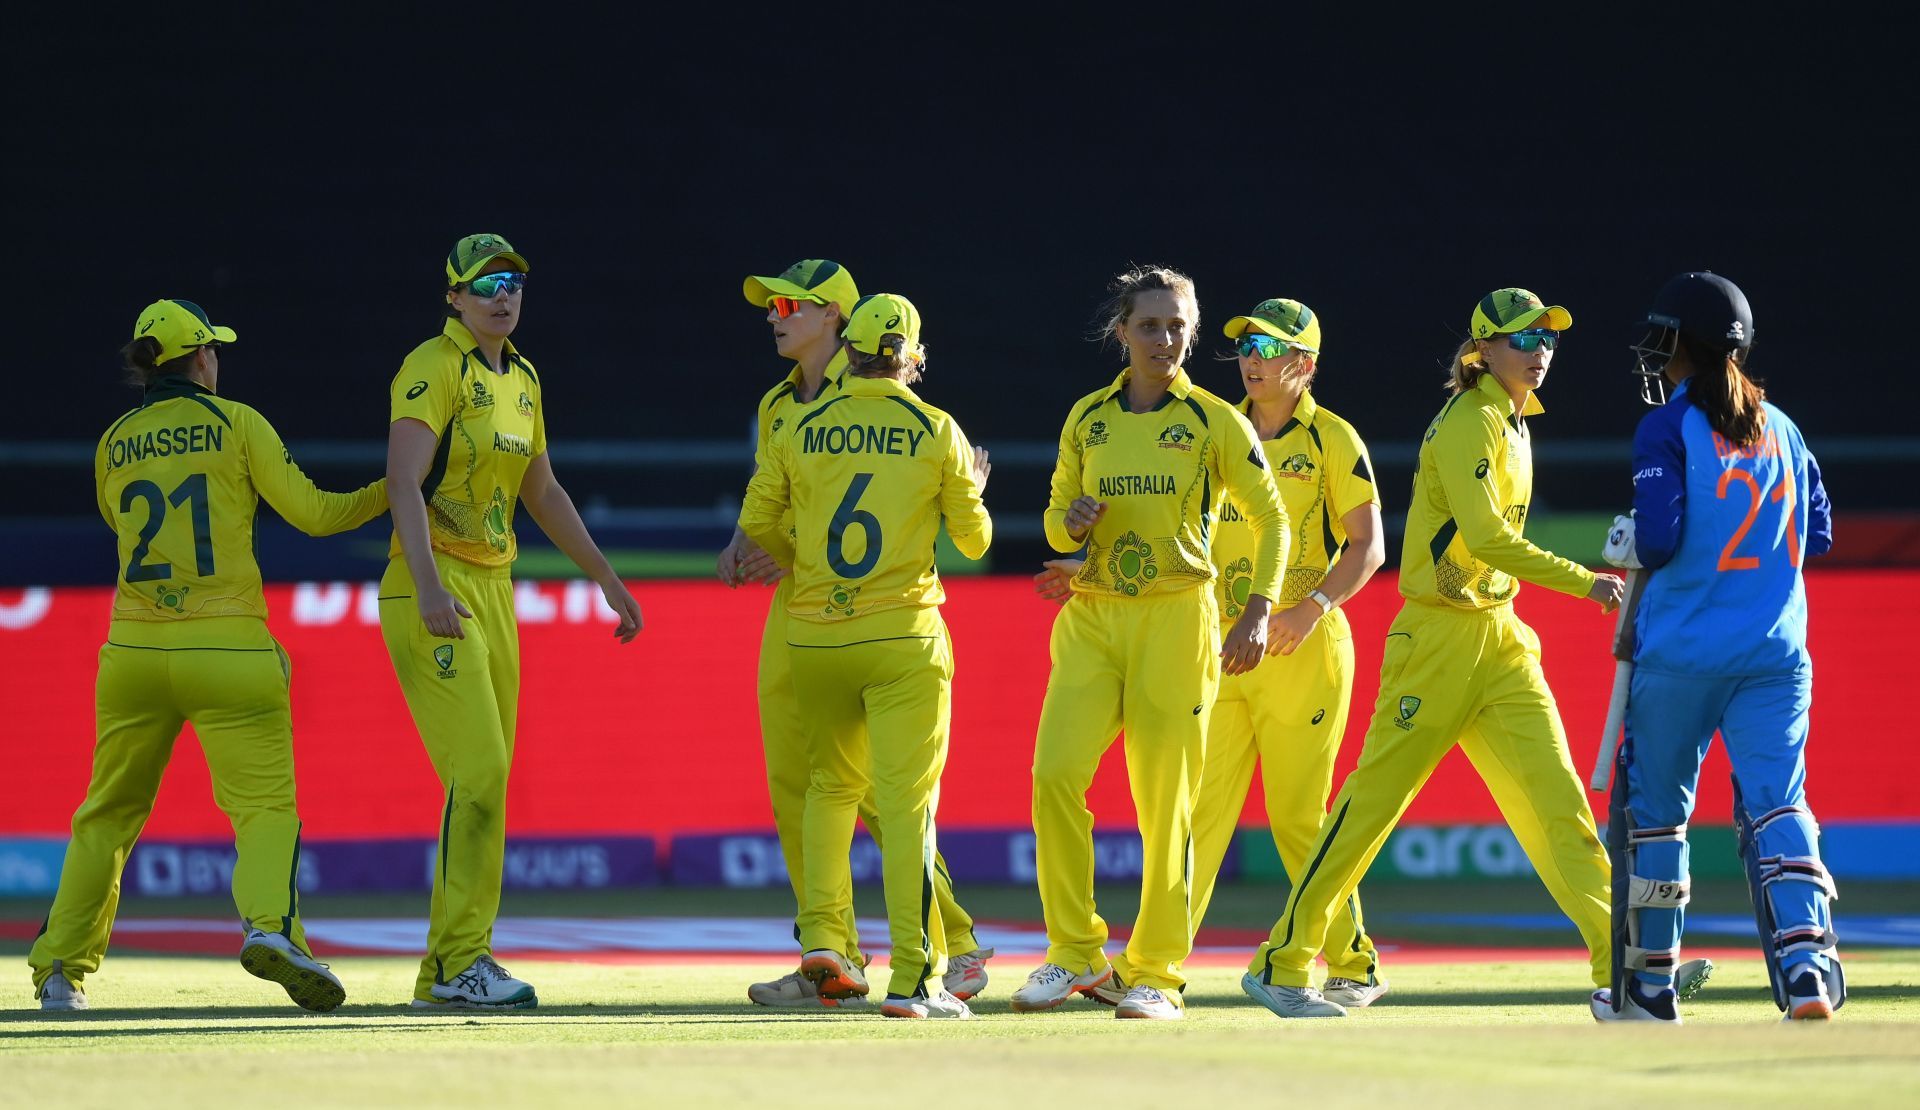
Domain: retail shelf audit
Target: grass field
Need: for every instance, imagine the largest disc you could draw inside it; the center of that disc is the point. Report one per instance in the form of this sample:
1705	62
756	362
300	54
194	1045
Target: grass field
173	1031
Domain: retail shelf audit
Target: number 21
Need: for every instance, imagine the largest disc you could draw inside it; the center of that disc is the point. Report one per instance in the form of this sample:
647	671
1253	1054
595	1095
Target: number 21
1781	491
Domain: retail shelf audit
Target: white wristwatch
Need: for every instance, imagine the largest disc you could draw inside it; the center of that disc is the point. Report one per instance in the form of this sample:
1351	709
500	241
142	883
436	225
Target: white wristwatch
1325	602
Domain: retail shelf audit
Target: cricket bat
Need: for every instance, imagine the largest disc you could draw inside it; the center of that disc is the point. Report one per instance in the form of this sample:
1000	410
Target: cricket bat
1622	682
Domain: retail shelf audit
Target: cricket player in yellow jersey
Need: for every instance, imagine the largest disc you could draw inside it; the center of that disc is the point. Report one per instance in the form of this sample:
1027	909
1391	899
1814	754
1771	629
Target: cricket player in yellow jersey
852	497
806	307
466	443
1460	667
1143	461
178	480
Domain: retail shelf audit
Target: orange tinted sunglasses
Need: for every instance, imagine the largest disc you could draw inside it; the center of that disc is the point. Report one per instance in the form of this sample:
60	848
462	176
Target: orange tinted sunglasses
784	307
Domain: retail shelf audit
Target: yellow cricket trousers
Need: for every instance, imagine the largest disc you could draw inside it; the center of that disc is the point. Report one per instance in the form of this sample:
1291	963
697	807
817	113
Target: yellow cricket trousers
1288	714
465	698
237	701
1151	666
877	717
1473	678
784	740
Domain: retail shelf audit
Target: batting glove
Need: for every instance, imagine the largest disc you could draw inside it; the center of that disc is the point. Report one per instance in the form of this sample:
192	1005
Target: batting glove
1619	547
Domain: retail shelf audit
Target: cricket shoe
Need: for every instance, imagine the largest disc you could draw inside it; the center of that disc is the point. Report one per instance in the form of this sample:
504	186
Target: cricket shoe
1353	994
1290	1002
834	976
942	1004
1152	1003
794	991
1807	998
60	993
1051	984
275	958
1656	1007
1112	992
1691	977
484	985
966	974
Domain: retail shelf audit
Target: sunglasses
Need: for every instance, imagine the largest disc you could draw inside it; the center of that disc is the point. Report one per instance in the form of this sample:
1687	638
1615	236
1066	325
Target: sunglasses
492	285
1533	339
784	307
1265	346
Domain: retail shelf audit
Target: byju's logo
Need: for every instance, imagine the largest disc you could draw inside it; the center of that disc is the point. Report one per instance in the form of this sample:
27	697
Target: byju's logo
443	658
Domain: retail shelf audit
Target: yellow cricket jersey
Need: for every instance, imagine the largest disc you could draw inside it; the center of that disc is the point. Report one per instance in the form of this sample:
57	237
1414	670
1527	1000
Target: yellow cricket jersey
491	428
178	480
865	474
1160	474
1463	546
780	405
1323	473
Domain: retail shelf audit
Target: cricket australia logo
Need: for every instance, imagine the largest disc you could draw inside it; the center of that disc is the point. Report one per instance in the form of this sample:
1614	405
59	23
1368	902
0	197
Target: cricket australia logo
840	601
1296	466
1236	585
496	518
525	405
1177	437
443	659
1130	564
171	597
1096	433
1409	705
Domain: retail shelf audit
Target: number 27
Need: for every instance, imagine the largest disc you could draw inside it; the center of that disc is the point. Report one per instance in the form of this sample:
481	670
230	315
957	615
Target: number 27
1781	491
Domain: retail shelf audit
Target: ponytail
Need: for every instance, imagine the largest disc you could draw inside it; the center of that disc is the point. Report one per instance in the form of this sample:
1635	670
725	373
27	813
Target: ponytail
1463	372
1721	389
138	358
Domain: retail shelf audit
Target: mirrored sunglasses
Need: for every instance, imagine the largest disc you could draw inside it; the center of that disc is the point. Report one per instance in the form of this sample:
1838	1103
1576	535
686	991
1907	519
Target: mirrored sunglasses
1265	346
1533	339
492	285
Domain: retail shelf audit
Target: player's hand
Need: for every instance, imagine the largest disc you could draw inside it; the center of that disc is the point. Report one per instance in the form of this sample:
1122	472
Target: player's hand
727	564
1607	591
620	600
1619	548
440	611
1289	628
1055	582
1246	642
981	468
1082	515
756	565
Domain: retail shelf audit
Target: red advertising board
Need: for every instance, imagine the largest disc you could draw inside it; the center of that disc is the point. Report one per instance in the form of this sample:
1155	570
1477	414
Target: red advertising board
661	737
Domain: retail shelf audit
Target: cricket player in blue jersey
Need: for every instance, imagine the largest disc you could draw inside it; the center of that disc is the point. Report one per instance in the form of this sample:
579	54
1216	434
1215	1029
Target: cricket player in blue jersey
1727	504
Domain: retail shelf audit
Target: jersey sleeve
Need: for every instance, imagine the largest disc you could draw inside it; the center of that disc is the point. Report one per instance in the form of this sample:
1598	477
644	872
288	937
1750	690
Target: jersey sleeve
100	480
1659	485
769	493
293	495
1461	448
1819	510
425	389
1349	472
1249	486
968	524
539	419
1066	486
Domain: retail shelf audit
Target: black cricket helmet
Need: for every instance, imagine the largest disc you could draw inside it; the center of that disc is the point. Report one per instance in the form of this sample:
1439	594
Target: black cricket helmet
1704	307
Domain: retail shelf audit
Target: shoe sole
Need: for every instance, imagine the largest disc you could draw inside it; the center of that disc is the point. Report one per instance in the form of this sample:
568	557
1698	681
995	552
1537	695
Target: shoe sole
1370	999
805	1004
1141	1015
1090	990
1817	1010
62	1006
308	989
892	1011
967	996
1602	1011
467	1006
1250	986
827	977
1694	982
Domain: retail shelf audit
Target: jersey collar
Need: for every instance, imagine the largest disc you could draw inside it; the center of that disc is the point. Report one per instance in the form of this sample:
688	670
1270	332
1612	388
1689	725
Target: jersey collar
174	385
1178	391
1491	386
463	339
836	370
1303	413
856	386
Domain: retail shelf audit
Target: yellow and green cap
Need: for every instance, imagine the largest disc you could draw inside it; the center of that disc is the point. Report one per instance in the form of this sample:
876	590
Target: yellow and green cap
179	327
1504	311
465	260
877	316
810	279
1288	321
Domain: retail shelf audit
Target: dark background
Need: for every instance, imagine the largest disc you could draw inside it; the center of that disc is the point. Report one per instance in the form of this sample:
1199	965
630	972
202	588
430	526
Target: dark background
997	166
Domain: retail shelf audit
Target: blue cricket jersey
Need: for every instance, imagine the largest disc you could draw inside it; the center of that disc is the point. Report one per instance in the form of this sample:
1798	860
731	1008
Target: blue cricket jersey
1728	528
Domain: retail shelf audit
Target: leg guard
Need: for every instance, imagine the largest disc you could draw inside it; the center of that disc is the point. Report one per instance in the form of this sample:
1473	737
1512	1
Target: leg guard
1635	852
1777	848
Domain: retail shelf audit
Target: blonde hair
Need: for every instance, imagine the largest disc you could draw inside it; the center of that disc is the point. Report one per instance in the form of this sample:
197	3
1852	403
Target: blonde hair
1466	367
907	366
1126	288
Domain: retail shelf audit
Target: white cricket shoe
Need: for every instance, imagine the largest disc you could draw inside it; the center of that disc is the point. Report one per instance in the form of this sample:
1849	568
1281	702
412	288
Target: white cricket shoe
1807	998
1690	977
1149	1002
60	993
966	974
939	1005
794	991
1051	984
834	976
1290	1002
275	958
1353	994
1112	992
1659	1008
484	985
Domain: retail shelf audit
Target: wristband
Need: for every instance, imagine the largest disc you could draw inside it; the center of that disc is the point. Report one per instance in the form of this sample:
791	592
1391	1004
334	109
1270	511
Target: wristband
1322	600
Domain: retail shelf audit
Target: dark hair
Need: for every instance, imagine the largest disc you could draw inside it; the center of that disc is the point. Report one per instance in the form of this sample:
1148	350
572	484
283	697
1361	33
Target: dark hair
1722	390
907	366
1126	287
138	358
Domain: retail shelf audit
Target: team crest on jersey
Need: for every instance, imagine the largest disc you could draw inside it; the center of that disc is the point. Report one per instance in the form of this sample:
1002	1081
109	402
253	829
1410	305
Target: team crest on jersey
1130	564
1236	585
1096	433
443	659
482	396
777	422
840	601
1176	437
496	519
171	597
1296	466
1409	705
525	405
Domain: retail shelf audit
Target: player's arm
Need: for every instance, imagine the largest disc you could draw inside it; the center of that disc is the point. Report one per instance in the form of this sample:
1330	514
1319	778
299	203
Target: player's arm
1350	493
551	507
769	494
963	481
100	484
421	401
742	560
1249	486
1819	511
293	495
1462	450
1659	486
1070	515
